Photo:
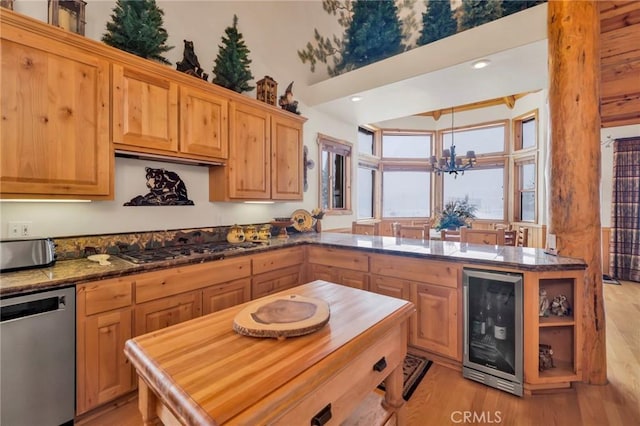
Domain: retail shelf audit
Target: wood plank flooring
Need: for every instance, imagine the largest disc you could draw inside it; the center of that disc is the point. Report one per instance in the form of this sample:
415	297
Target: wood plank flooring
445	398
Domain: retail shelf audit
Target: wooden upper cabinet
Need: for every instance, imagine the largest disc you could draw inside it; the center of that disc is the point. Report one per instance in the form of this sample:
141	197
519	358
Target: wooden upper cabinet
286	159
247	173
145	110
55	118
203	123
265	156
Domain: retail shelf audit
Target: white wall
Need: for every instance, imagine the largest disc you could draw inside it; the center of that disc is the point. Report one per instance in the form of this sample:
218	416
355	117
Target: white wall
266	29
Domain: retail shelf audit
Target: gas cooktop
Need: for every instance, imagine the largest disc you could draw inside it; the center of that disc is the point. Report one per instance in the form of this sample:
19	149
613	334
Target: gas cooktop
184	251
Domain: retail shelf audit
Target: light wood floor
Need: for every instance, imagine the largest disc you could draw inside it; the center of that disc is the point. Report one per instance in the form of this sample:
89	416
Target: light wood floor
445	398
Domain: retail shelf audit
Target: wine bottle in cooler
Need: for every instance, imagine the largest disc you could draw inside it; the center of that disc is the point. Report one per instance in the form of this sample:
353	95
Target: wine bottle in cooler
500	327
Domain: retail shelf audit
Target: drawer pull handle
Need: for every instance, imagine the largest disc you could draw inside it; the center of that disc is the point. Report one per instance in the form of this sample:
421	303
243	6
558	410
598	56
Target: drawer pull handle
380	365
322	417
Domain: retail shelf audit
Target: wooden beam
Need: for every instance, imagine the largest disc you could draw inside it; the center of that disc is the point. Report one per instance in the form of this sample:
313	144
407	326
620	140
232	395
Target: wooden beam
510	101
574	96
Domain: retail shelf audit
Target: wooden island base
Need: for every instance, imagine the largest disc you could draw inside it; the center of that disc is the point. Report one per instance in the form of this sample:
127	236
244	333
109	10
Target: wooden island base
202	372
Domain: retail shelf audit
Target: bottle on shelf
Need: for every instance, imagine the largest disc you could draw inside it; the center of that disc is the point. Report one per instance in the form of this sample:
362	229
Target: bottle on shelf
479	324
489	317
500	327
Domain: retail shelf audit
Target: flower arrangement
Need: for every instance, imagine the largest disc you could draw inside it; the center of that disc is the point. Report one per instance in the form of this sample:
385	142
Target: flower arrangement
317	213
455	214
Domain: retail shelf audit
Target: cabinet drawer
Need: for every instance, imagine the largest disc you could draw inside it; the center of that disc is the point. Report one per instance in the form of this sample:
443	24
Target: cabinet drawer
158	284
351	384
347	259
274	281
421	270
106	295
277	259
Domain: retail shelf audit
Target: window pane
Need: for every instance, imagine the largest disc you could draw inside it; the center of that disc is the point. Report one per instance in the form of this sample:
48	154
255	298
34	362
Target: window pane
365	141
406	194
406	146
528	173
324	177
365	193
528	203
485	190
482	141
529	133
338	181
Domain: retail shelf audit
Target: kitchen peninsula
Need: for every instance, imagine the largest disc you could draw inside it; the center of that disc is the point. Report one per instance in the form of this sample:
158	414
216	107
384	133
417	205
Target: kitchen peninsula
125	300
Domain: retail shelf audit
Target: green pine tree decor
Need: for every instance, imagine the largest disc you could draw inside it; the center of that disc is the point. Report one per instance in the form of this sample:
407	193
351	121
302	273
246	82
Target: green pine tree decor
437	22
231	68
478	12
375	33
136	27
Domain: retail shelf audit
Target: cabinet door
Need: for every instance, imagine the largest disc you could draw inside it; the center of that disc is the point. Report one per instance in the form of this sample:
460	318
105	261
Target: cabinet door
436	323
393	287
161	313
226	295
249	153
55	119
103	371
145	110
203	123
355	279
274	281
286	159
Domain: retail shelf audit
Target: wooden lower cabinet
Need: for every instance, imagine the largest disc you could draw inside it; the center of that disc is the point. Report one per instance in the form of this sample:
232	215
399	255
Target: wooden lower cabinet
161	313
225	295
393	287
274	281
355	279
435	325
104	315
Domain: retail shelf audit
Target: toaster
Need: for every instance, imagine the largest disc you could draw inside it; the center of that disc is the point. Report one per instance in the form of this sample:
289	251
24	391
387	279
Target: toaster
26	254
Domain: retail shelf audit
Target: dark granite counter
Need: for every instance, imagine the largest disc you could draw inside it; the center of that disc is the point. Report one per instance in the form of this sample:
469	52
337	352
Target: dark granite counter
71	272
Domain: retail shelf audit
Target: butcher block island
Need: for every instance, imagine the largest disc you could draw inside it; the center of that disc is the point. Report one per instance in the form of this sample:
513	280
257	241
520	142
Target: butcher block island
203	372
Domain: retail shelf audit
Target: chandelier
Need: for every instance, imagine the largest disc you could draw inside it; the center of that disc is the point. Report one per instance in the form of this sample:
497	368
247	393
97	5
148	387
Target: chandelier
451	164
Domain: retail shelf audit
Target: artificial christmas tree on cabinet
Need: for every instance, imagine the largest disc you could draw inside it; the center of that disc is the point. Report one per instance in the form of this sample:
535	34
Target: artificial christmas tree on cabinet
231	68
136	27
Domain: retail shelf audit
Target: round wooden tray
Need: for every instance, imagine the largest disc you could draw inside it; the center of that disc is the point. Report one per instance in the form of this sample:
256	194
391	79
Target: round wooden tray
282	316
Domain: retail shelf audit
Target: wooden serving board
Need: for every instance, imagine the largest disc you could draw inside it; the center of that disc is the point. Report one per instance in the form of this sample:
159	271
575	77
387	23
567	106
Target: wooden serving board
282	316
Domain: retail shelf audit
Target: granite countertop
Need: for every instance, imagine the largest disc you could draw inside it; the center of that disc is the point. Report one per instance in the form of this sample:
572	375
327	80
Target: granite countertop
71	272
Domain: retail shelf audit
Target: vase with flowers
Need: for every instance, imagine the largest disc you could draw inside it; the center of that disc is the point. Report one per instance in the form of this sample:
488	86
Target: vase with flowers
456	213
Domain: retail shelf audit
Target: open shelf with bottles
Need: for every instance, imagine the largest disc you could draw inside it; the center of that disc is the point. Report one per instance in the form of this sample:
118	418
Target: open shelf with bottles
553	332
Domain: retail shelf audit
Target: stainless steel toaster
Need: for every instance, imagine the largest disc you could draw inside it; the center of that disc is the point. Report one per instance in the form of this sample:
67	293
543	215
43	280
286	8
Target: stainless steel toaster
26	254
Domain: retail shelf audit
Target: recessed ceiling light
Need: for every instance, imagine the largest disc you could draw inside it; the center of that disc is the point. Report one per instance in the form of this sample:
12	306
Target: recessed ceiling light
356	98
480	63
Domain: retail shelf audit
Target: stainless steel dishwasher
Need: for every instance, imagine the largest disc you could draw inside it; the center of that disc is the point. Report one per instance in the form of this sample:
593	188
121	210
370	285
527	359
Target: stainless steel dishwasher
37	358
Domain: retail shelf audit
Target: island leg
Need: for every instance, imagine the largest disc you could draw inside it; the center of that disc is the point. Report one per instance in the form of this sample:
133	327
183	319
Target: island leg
147	401
394	382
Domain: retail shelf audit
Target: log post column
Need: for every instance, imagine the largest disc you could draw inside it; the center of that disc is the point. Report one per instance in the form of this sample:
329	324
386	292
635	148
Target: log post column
574	169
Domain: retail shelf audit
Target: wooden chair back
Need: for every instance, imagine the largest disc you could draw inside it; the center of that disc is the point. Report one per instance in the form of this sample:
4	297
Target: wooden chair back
365	228
522	237
447	235
482	236
510	238
417	232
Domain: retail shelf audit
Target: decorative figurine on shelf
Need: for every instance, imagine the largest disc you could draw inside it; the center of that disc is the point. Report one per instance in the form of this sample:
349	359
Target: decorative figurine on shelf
267	90
286	101
545	357
189	63
544	303
560	306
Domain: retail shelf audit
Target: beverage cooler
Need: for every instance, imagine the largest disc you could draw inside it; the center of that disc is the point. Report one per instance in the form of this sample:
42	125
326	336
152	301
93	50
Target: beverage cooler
493	331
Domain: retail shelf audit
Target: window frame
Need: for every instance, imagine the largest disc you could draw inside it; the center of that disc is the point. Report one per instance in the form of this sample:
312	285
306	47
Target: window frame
336	146
516	124
517	187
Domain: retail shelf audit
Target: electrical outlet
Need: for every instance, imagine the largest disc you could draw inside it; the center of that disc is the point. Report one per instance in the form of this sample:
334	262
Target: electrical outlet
19	229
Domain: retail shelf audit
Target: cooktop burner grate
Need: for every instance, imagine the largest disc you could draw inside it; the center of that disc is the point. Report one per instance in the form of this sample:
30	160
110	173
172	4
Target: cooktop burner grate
177	252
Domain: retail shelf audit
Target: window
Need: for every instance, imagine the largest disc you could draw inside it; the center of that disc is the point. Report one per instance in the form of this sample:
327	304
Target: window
406	179
366	187
483	186
484	140
335	175
406	193
525	131
366	141
525	197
